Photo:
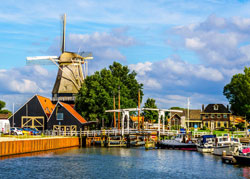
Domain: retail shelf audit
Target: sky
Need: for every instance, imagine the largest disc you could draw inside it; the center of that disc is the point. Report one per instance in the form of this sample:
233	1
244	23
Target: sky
179	49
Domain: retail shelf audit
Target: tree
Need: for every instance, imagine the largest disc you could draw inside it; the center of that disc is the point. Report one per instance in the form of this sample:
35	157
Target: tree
238	93
150	115
97	91
177	108
3	111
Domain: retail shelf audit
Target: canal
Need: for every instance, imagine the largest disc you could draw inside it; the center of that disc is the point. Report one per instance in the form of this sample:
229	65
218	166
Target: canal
119	163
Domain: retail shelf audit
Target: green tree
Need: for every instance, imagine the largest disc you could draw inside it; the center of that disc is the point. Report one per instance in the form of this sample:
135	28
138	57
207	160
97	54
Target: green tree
150	115
3	111
177	108
238	93
97	91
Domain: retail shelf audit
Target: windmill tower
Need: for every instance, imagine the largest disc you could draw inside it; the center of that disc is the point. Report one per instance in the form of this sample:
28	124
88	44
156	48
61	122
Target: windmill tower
70	74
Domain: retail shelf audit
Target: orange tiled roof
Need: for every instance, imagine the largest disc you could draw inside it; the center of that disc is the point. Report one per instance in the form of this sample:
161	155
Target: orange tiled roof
73	112
47	105
237	119
135	118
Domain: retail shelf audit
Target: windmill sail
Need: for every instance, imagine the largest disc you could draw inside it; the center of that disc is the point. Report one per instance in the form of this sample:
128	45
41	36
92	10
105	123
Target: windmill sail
41	60
70	73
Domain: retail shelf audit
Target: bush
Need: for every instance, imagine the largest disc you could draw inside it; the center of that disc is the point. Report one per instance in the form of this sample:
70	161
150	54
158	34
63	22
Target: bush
222	129
233	128
204	128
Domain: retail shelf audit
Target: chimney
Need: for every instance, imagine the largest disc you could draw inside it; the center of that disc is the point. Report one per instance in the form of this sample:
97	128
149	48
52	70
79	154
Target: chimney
202	107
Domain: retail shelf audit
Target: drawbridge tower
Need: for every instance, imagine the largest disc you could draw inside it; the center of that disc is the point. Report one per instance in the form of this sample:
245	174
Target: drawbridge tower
72	70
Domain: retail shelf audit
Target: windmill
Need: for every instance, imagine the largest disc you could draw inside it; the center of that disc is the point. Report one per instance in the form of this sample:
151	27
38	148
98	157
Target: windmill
70	74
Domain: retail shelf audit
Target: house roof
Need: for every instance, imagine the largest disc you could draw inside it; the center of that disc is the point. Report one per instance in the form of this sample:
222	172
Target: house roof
193	114
4	116
237	119
73	112
46	104
135	118
210	108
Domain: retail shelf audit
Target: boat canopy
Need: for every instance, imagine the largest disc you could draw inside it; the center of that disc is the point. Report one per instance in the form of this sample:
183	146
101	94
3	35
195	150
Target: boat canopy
204	137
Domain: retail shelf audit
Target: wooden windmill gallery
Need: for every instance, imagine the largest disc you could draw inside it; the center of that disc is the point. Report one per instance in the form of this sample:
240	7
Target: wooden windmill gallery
56	113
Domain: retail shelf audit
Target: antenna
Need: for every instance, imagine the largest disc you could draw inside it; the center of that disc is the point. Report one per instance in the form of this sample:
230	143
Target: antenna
64	31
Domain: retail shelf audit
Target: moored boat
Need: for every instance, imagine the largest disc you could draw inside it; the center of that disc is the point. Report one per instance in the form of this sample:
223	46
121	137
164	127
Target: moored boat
243	156
227	144
178	143
206	144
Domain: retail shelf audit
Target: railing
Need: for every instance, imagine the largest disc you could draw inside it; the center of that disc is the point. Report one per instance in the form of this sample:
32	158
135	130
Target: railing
239	133
64	98
116	132
199	134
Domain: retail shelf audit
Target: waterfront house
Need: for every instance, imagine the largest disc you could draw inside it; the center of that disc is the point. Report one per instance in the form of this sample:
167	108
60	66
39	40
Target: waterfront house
34	113
187	118
4	123
134	121
215	116
65	118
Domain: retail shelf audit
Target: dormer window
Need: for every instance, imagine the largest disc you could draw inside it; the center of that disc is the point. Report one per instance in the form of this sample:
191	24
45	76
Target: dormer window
216	107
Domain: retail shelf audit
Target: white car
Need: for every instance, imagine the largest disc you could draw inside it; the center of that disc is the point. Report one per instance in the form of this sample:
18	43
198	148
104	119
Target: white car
15	131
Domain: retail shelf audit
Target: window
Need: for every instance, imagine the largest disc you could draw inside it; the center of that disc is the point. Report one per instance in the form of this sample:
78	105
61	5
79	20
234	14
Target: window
225	116
59	116
216	107
218	124
212	115
218	116
206	124
225	124
206	116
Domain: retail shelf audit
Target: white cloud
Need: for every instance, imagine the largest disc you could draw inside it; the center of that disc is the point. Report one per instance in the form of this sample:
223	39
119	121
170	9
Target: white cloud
194	43
141	68
23	86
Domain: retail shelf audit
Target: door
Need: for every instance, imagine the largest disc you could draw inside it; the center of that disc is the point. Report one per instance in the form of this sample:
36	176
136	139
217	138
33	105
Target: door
212	125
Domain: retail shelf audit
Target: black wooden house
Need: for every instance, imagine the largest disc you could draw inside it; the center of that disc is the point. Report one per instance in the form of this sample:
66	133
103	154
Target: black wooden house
35	111
65	118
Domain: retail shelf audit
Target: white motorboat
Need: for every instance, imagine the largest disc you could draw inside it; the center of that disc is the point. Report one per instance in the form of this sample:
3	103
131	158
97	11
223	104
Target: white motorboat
225	143
206	144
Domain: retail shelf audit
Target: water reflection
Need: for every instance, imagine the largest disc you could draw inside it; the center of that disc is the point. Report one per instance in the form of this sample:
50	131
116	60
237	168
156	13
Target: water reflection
246	172
48	153
120	163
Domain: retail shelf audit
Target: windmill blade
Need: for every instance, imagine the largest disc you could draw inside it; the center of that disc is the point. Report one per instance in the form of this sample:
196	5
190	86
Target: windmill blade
41	60
87	55
64	31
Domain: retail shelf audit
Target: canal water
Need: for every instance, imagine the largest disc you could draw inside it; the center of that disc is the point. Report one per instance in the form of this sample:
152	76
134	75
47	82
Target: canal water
119	163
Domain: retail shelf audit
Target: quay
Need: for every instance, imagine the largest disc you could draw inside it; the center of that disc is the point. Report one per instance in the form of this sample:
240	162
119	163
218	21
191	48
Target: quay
21	146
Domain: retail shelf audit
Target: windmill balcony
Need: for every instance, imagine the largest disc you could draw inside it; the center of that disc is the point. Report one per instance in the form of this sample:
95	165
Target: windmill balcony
64	98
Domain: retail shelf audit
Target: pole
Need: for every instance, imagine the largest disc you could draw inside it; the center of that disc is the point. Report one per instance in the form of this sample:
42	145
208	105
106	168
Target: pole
13	114
139	109
119	114
188	113
114	112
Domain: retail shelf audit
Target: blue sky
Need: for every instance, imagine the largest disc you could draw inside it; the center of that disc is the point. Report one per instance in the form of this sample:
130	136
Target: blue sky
179	49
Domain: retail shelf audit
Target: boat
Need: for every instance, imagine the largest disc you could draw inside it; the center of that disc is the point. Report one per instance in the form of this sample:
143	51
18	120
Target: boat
206	144
243	156
178	142
227	144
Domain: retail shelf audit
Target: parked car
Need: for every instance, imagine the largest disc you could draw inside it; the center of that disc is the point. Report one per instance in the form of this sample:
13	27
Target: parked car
15	131
25	131
35	131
